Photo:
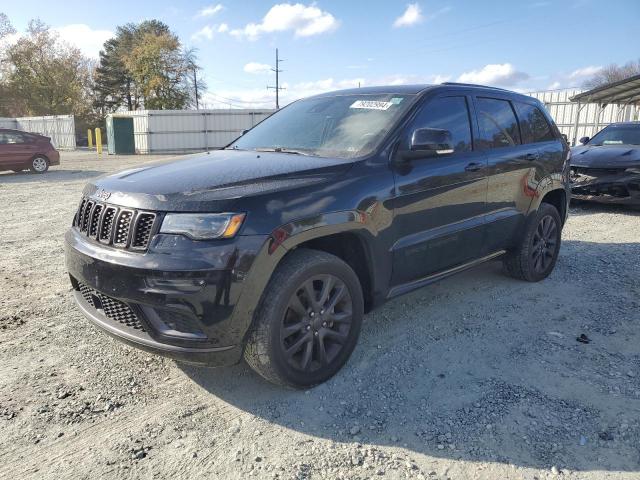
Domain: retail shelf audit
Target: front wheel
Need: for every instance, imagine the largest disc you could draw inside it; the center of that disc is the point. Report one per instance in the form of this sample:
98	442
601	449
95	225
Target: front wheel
308	322
39	165
536	255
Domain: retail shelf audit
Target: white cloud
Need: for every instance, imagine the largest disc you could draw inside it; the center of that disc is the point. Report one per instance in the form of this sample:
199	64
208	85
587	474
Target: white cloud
583	73
209	11
304	20
503	74
573	79
259	68
208	31
205	33
412	79
411	16
440	78
89	41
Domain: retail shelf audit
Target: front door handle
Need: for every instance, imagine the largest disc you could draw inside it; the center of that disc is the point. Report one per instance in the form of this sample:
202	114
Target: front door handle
531	156
473	167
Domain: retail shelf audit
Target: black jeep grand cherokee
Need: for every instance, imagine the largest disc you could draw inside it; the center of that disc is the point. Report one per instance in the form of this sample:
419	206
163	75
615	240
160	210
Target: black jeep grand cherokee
276	246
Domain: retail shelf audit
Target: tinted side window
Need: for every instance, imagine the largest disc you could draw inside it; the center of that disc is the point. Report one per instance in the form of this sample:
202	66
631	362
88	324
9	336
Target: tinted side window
533	123
498	124
10	138
448	113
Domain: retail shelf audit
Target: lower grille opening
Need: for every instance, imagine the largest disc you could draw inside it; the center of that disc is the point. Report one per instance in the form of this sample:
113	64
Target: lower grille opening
113	309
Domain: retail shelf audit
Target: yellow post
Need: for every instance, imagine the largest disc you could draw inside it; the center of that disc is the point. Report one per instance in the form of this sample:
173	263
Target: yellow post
89	139
98	141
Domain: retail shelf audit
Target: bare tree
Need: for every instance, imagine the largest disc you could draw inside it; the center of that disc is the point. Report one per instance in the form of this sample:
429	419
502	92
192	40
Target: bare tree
5	26
613	73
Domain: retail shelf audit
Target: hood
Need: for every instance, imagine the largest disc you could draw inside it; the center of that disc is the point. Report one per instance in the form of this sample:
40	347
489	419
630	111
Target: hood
606	156
212	181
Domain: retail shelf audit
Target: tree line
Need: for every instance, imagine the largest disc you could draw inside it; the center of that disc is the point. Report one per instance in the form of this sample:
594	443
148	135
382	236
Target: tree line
144	66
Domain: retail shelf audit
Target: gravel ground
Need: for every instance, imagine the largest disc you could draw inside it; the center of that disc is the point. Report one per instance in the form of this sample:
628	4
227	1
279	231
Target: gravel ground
479	376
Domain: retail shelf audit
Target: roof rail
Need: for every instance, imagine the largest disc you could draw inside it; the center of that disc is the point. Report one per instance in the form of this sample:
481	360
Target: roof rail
475	85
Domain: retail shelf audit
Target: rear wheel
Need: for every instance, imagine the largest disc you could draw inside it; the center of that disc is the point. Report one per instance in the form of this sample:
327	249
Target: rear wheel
39	165
308	322
535	258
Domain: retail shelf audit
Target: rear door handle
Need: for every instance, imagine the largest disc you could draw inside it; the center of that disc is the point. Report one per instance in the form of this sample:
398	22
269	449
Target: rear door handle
531	156
473	167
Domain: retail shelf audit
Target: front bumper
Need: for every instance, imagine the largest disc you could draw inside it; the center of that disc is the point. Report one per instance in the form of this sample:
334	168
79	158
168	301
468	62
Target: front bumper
177	299
606	187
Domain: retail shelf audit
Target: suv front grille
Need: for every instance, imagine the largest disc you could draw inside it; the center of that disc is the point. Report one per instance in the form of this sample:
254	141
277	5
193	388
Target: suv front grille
112	308
120	227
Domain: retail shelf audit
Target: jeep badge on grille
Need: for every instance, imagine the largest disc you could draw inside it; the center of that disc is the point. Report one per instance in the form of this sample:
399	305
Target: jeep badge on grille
102	194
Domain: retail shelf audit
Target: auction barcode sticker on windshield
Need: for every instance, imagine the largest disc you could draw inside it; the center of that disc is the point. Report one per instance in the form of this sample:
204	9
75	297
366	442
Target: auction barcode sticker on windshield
371	104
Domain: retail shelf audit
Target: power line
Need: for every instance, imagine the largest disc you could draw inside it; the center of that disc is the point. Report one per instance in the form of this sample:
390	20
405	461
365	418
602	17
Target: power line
277	88
233	102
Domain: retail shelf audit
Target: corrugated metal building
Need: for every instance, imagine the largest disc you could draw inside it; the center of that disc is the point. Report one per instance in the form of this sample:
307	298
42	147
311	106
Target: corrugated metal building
181	131
593	117
60	128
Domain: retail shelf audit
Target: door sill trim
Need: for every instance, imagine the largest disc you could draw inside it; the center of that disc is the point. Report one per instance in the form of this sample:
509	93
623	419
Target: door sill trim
434	277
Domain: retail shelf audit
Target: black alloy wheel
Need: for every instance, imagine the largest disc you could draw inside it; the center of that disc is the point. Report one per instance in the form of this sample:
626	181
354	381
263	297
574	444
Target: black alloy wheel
544	244
316	323
535	255
308	321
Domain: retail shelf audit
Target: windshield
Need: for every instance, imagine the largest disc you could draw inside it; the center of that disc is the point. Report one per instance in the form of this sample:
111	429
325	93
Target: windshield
617	135
343	126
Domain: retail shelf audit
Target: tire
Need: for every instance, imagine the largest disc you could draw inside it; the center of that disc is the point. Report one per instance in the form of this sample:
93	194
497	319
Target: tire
321	343
39	164
535	258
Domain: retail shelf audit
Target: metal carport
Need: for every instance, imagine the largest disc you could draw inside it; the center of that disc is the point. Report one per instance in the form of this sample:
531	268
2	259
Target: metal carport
624	92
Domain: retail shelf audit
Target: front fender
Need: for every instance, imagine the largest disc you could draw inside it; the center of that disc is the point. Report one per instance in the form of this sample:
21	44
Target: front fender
549	183
286	238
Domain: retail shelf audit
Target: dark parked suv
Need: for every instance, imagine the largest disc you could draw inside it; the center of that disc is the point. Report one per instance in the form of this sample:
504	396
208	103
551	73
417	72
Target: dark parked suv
275	247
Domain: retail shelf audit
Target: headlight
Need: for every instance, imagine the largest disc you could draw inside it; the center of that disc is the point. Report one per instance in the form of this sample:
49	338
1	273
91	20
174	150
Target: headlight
634	170
202	226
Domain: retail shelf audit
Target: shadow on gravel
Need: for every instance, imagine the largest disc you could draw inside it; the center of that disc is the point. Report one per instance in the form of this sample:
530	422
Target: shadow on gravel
52	176
481	367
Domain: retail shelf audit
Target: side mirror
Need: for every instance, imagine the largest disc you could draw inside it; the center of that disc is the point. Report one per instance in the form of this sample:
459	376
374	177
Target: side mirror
584	140
244	131
431	141
564	137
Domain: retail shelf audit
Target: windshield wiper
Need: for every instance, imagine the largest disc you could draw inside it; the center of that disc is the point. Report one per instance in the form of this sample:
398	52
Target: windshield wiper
281	150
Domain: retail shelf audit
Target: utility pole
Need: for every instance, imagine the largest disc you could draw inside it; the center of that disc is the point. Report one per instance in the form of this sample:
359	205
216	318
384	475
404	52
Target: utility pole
277	88
195	84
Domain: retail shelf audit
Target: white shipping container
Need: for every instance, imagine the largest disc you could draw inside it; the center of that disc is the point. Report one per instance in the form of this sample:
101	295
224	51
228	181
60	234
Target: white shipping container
182	131
60	128
8	123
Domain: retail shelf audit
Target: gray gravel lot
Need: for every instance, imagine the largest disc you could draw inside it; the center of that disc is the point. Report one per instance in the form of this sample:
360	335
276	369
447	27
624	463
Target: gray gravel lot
479	376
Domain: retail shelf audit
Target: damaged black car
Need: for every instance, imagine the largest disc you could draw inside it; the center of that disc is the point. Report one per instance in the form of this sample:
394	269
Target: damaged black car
606	168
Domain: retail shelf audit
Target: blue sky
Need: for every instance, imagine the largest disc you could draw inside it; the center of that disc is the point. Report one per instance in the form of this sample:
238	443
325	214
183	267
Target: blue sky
525	45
